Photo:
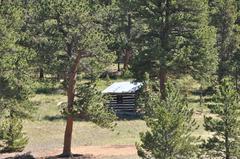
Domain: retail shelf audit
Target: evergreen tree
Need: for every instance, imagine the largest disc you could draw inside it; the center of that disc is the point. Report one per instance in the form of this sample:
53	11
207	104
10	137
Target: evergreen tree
92	104
171	124
225	142
75	28
175	39
120	24
12	136
224	18
14	84
236	63
124	29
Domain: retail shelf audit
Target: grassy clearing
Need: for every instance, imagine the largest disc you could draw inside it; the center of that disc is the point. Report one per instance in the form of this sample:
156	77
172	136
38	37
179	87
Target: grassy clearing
47	130
49	135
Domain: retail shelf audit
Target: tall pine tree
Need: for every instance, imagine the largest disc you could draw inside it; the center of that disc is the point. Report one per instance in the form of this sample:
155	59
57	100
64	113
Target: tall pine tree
170	126
224	15
175	39
119	22
75	28
225	142
14	84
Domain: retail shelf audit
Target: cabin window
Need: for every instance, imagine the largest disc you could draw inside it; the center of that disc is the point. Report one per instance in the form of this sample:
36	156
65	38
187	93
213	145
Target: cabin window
119	99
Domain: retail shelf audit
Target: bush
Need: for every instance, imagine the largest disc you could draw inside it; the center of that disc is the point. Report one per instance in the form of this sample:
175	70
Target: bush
11	136
127	74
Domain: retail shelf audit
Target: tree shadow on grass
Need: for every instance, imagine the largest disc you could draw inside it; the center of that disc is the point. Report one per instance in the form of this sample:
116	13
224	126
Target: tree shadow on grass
129	116
121	116
54	117
28	155
208	99
22	156
74	156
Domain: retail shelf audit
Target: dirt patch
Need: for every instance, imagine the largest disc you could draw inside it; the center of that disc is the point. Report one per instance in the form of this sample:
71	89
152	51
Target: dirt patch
86	151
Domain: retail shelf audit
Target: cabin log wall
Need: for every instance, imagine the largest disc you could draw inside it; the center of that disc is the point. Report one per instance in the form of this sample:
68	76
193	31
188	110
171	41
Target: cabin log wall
123	102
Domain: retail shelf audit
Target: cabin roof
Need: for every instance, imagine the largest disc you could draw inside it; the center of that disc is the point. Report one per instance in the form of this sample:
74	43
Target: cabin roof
123	87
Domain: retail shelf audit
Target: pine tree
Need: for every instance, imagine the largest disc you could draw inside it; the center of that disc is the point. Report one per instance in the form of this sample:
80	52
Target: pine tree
120	24
224	18
93	105
12	136
14	80
175	39
124	27
171	124
75	28
225	142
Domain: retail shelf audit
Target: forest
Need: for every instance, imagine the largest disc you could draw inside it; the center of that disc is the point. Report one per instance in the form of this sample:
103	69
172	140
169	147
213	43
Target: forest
57	57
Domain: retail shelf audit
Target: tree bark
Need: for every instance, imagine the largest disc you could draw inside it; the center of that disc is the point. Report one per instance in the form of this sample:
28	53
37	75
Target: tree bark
227	149
128	50
41	74
70	96
236	79
68	137
164	36
126	58
162	81
118	60
201	95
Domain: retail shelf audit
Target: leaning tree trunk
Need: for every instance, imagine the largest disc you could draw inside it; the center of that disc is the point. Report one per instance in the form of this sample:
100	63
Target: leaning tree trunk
70	96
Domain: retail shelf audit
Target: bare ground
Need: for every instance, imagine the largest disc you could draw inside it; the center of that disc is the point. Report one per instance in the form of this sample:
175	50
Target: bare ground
96	152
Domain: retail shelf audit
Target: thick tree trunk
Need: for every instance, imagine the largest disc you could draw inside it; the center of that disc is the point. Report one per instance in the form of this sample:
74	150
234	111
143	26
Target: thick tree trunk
68	137
70	95
162	81
41	74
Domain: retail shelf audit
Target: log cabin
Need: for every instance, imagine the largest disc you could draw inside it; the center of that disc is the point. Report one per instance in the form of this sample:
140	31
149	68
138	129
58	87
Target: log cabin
123	97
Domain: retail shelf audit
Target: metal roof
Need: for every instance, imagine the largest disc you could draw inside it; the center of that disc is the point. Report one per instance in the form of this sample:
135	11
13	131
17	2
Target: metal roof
123	87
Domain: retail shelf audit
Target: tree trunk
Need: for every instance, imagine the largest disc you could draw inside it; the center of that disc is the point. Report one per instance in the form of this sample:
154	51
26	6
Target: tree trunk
41	74
221	73
70	95
128	50
164	36
227	145
236	79
119	60
118	66
68	137
201	95
126	58
162	81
